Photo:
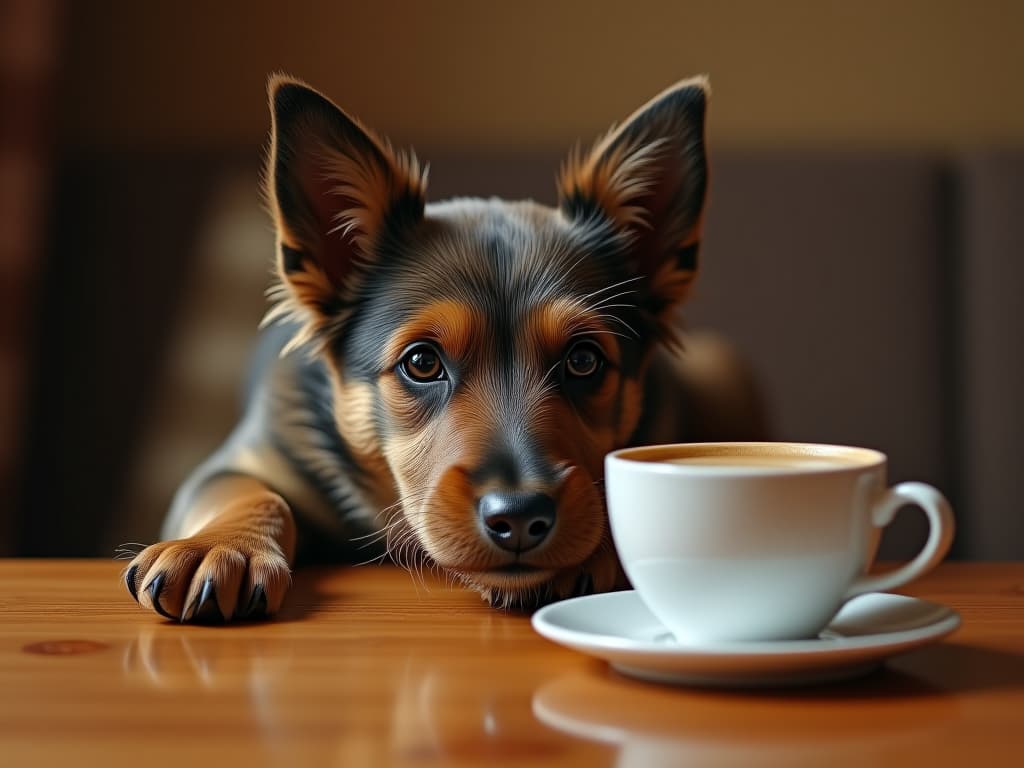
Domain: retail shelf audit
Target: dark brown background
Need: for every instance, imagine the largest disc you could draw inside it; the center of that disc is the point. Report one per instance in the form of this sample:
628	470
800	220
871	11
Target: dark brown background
863	244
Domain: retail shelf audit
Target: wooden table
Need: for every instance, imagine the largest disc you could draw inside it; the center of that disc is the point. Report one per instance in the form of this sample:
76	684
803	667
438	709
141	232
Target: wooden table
368	667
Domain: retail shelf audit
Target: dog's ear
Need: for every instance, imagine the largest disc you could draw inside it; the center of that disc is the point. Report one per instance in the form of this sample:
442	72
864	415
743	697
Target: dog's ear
335	190
648	177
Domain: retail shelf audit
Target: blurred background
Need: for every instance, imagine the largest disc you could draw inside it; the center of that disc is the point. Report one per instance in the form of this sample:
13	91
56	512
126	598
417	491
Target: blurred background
863	246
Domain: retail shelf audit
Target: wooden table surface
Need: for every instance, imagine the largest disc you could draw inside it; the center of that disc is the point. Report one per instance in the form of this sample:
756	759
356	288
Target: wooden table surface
368	667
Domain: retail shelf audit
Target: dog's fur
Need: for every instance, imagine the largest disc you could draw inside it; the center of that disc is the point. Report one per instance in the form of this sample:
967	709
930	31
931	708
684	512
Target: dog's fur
440	383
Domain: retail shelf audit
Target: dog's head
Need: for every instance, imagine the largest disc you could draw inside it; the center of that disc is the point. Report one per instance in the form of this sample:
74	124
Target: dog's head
486	355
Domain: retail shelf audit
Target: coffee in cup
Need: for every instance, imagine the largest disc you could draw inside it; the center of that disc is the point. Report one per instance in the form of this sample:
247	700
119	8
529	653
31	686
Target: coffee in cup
759	541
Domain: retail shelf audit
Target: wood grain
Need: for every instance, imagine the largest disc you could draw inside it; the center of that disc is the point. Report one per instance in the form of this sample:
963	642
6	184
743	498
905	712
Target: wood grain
370	667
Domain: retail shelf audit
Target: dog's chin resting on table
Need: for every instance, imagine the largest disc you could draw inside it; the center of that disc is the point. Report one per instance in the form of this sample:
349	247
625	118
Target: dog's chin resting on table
439	384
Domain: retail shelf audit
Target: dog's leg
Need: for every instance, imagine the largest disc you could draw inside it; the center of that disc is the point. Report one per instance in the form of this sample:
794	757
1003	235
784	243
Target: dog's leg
232	561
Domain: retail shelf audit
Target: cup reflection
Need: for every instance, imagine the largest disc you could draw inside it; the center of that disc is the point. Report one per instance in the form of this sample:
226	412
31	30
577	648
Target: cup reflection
441	713
656	726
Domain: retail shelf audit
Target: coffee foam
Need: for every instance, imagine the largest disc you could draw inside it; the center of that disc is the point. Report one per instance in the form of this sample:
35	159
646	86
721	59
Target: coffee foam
775	455
770	461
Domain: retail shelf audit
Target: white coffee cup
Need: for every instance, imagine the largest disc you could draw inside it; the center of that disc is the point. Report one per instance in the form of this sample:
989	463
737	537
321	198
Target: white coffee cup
759	541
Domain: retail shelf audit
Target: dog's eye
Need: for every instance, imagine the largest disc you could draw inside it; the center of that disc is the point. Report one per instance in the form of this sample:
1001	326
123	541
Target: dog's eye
583	359
423	363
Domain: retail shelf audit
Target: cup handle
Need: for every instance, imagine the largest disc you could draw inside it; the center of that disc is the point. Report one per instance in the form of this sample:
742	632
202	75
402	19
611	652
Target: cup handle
940	535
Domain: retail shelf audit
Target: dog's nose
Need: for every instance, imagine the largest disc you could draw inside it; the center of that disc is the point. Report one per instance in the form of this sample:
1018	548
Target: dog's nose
517	520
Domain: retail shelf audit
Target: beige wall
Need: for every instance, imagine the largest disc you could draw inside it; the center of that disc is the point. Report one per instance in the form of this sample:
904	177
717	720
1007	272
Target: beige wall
930	74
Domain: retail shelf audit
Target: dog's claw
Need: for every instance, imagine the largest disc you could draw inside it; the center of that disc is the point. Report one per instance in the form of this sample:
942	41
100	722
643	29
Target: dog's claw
257	605
154	588
204	608
129	581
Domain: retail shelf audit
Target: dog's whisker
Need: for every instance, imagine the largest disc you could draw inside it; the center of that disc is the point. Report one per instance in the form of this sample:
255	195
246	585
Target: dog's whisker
129	551
607	302
375	560
612	306
130	547
373	542
617	334
610	316
373	536
611	287
392	516
569	269
606	332
548	375
620	321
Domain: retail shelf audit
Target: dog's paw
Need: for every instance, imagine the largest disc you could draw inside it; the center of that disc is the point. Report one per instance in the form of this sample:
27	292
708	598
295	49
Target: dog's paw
210	577
600	573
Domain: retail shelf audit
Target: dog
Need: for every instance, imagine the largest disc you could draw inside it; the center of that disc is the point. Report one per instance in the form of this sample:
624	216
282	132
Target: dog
439	383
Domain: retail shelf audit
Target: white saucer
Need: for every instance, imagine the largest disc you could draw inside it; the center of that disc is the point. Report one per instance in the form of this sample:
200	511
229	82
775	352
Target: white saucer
619	628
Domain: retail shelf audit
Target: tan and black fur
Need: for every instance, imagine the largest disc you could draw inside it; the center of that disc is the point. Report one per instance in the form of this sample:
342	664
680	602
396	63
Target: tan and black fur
440	383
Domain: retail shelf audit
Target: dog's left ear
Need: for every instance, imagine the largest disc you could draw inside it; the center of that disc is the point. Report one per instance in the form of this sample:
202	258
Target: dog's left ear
335	190
648	177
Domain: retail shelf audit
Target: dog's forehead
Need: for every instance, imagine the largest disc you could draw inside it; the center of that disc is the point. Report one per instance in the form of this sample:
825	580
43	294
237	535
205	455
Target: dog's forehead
515	249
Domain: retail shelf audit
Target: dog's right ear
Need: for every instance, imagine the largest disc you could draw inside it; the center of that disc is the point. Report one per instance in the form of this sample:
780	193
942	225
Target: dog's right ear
334	190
